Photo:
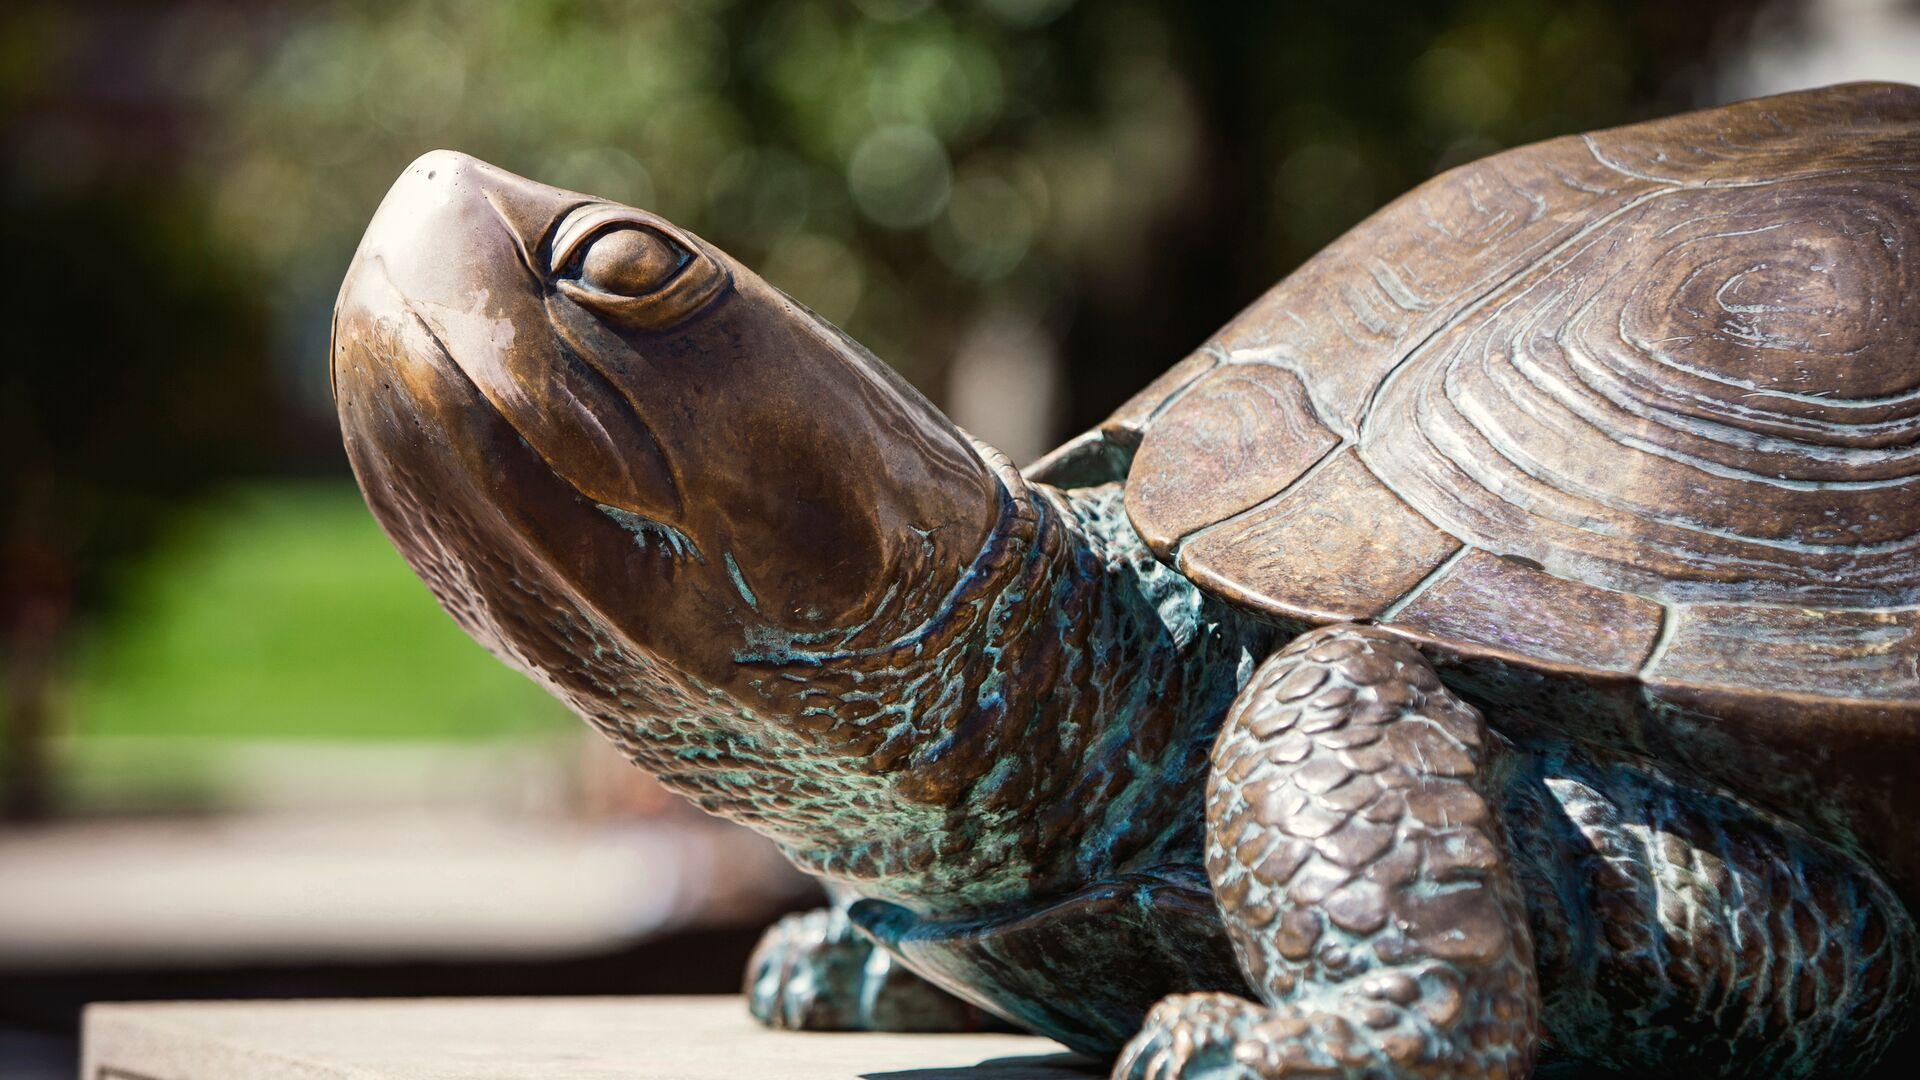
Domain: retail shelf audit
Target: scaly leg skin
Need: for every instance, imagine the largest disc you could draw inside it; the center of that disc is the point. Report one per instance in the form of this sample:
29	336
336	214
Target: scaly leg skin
1364	880
815	972
1678	931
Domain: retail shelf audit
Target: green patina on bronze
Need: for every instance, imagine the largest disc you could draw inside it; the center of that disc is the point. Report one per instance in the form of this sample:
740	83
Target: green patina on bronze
1499	637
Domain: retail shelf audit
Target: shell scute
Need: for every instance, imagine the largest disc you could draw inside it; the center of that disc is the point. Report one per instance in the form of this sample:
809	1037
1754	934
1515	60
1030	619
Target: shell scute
1519	609
1242	432
1338	545
1873	654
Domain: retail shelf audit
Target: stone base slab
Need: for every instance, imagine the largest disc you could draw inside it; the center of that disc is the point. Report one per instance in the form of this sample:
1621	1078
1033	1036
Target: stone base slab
660	1038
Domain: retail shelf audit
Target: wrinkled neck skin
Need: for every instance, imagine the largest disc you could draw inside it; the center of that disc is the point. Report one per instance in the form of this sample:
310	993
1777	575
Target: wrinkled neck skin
1042	723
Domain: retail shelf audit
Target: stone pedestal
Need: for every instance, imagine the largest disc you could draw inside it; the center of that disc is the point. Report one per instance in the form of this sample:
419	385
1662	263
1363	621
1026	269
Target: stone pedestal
669	1038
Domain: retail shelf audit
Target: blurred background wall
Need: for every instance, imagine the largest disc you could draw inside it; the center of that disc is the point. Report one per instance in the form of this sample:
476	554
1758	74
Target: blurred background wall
237	738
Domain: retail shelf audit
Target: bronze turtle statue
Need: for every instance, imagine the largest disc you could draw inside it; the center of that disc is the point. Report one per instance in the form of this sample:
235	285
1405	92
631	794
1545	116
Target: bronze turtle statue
1498	641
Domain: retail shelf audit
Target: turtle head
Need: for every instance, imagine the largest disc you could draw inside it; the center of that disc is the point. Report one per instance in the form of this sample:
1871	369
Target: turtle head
595	434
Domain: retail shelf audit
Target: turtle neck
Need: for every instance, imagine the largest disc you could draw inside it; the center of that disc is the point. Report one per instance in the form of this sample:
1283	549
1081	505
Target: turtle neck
1044	723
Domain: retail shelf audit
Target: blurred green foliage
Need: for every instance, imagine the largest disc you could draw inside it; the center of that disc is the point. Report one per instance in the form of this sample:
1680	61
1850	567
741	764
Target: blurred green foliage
282	612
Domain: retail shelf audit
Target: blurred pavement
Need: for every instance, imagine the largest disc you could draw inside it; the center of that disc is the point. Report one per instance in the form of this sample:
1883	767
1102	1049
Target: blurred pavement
391	886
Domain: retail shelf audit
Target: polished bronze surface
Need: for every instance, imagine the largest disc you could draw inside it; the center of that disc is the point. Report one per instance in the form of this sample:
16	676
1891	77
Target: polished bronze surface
1597	456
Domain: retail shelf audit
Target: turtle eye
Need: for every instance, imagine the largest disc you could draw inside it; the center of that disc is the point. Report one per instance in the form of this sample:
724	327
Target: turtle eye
630	261
633	270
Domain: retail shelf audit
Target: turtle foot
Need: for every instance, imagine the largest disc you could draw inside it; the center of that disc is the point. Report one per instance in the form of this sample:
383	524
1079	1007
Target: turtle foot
814	972
1193	1037
1222	1037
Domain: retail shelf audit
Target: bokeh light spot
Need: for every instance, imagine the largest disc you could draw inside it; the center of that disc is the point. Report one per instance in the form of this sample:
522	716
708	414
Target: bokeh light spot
899	176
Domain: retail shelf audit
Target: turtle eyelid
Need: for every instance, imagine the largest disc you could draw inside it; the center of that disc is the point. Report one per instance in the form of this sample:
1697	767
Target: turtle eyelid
586	222
697	280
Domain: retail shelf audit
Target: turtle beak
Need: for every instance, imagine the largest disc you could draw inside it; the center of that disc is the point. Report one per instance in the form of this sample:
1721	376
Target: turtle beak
473	448
451	274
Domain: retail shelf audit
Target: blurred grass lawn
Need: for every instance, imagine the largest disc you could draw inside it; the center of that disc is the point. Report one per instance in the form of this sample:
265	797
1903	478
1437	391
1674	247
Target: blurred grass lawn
281	611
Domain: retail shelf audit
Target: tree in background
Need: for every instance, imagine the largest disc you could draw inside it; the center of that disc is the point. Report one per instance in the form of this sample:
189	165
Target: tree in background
1311	116
133	382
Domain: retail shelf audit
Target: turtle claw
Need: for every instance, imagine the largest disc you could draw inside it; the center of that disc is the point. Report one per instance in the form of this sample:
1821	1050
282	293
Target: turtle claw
1223	1037
1192	1037
805	976
814	972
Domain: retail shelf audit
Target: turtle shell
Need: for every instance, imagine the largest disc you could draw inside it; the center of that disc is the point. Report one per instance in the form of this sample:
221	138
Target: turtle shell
1623	428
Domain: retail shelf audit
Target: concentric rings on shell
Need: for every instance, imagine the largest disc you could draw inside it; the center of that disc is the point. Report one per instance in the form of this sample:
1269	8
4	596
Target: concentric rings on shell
1713	393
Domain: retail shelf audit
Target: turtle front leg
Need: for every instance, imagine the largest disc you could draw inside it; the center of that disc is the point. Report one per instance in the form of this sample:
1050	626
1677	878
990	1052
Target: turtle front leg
815	972
1364	880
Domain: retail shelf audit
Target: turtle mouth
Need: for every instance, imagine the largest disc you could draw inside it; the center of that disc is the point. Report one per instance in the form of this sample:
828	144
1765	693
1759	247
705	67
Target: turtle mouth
578	593
483	445
649	534
642	525
652	535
